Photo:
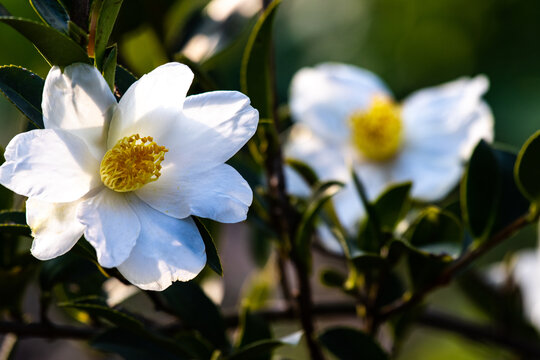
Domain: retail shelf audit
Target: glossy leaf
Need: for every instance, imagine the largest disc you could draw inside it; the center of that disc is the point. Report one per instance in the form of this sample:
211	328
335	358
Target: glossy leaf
105	22
52	13
24	89
109	66
480	190
322	194
123	80
255	77
392	205
304	170
436	232
351	344
527	170
253	328
212	257
115	317
56	47
197	311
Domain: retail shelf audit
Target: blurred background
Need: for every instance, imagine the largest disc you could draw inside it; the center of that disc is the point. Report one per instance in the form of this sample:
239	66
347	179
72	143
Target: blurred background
409	43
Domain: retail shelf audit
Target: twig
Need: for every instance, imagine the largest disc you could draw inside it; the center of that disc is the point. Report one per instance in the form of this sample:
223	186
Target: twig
456	267
442	321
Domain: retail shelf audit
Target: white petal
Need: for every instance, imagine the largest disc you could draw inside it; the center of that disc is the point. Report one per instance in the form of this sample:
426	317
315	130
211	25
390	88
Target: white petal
154	100
79	100
443	109
212	128
55	227
220	194
112	227
49	165
167	250
328	160
324	97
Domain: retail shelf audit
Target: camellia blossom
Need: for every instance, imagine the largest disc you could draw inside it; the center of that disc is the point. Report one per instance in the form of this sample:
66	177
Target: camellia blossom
347	118
129	175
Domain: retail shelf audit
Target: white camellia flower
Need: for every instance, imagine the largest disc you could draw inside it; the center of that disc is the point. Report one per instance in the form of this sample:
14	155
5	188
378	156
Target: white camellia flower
128	175
346	118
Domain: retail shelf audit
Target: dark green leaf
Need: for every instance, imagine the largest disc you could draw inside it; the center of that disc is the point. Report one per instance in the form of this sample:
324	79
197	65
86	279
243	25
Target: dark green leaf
480	191
56	47
322	194
351	344
134	346
105	23
115	317
52	13
12	217
197	311
370	236
109	67
436	232
4	11
364	262
23	230
527	170
212	257
332	278
304	170
255	75
257	350
24	89
392	205
6	195
253	328
123	80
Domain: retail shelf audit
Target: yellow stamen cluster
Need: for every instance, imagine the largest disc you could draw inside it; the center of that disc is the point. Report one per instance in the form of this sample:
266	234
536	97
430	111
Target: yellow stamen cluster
133	162
376	132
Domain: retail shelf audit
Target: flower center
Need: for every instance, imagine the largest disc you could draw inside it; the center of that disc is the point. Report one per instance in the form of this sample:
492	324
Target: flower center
376	132
131	163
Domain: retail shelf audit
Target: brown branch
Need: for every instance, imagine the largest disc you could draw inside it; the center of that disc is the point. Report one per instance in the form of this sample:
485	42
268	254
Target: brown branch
455	268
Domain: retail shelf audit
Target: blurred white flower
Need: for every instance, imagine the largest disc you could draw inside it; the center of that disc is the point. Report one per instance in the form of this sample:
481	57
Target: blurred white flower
525	273
346	118
128	175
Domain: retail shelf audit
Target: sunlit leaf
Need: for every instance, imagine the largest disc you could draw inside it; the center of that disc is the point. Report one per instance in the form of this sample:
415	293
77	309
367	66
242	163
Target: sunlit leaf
56	47
109	66
255	77
527	170
24	89
106	18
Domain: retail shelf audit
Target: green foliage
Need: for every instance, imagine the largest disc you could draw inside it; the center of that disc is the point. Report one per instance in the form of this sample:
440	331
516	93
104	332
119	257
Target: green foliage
527	170
348	344
52	13
24	89
212	257
109	66
256	80
56	47
106	12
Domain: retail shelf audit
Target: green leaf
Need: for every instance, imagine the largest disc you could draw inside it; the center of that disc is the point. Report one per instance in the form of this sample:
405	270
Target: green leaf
4	11
115	317
480	191
197	311
253	328
56	47
255	75
304	170
109	67
258	350
105	22
436	232
392	205
351	344
12	217
123	79
527	169
135	346
24	89
212	257
322	194
332	278
6	195
52	13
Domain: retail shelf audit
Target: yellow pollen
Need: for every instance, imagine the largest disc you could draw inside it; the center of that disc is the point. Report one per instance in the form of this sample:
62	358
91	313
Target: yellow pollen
133	162
376	132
